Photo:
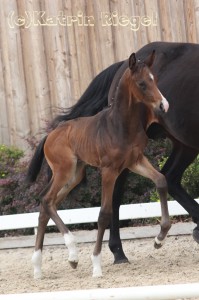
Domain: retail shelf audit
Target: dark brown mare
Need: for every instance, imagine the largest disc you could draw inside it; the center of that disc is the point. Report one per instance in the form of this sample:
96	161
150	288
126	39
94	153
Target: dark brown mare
176	69
112	140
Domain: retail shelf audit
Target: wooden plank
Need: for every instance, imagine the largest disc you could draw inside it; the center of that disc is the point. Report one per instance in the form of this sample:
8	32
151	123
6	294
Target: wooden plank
96	64
82	45
7	70
140	37
196	13
74	73
15	83
152	22
177	15
35	68
57	57
122	31
104	33
4	122
190	21
165	20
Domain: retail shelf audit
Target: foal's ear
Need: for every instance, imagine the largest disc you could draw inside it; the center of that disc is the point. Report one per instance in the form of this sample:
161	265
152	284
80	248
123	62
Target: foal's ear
150	59
132	62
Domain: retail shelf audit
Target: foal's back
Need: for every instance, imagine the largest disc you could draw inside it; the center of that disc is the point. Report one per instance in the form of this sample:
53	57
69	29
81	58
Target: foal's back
89	139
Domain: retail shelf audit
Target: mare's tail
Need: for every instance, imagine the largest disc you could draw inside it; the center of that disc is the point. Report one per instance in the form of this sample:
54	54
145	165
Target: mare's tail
94	99
36	162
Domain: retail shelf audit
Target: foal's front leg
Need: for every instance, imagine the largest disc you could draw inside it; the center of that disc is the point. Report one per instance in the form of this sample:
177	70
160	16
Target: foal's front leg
115	243
144	168
108	181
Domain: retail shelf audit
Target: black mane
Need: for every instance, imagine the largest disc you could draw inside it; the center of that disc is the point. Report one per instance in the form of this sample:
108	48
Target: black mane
93	100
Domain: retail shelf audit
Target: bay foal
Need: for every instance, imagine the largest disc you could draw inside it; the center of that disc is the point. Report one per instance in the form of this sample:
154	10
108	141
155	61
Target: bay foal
112	140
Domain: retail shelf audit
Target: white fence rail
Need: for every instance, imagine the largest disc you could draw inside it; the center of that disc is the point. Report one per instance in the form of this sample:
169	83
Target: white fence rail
159	292
89	215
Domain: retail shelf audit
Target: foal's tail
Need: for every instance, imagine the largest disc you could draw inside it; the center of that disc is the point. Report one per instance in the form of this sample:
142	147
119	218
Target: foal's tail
36	162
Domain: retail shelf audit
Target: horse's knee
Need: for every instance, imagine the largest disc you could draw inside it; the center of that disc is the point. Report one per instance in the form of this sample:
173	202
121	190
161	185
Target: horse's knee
161	182
43	217
45	204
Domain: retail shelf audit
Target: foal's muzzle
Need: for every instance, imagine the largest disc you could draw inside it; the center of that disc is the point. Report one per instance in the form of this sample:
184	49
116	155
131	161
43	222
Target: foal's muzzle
164	105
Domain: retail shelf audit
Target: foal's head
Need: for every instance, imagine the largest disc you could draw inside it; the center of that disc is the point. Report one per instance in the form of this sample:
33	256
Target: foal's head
143	85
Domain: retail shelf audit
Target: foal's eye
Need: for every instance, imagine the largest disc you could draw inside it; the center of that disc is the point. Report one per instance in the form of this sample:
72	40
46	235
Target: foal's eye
142	85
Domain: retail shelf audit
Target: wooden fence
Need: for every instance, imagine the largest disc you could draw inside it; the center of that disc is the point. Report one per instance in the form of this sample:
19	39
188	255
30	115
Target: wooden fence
51	49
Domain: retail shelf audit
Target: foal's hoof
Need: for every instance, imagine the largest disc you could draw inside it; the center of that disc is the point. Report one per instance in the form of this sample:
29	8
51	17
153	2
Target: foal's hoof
37	275
73	264
97	273
196	234
157	244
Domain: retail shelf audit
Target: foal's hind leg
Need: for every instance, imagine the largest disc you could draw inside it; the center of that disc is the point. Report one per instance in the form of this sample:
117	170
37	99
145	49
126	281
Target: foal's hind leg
44	218
43	221
144	168
37	255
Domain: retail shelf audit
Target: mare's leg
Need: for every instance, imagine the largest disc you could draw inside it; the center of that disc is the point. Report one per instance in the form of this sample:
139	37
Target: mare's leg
108	181
180	158
144	168
44	217
115	243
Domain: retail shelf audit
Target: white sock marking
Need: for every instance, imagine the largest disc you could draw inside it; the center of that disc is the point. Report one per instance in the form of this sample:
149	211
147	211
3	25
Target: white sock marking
36	261
96	261
158	242
70	244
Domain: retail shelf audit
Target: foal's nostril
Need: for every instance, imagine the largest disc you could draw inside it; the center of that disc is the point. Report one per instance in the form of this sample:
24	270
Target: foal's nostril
162	107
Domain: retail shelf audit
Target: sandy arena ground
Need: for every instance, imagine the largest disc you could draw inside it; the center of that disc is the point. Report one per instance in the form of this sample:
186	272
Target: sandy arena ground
176	262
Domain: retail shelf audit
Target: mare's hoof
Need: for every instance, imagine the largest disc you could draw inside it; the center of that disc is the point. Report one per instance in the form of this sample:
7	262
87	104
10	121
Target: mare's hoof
196	234
121	260
73	264
119	256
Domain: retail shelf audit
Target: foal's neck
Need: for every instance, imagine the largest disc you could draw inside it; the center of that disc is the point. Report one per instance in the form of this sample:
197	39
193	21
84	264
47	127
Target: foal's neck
129	115
125	107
